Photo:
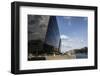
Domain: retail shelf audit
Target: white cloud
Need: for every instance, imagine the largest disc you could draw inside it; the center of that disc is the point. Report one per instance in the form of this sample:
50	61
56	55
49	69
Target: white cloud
64	37
82	41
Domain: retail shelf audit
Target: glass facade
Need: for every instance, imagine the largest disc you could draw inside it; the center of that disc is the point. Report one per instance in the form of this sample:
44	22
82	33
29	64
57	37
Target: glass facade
43	35
37	27
52	39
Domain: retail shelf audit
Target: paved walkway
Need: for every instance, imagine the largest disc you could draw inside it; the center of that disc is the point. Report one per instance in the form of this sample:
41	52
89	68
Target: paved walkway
59	57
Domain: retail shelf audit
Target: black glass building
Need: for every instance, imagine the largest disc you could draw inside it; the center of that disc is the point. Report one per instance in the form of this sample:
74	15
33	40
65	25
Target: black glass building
52	39
43	35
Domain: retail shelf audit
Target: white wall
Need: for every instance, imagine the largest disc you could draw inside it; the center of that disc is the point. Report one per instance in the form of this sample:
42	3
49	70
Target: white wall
5	41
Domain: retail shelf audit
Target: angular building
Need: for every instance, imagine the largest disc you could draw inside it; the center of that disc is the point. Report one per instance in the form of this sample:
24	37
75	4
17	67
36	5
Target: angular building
52	39
43	35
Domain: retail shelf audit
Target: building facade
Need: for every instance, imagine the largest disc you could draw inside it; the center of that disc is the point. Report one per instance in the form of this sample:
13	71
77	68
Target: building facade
52	39
46	41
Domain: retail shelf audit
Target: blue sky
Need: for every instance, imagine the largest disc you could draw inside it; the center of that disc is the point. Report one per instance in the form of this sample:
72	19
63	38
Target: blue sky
73	32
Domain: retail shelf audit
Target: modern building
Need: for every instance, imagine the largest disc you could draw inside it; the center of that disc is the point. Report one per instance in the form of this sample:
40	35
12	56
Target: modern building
49	42
52	39
37	28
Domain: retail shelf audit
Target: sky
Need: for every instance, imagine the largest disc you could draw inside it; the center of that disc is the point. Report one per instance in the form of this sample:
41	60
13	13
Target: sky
73	32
